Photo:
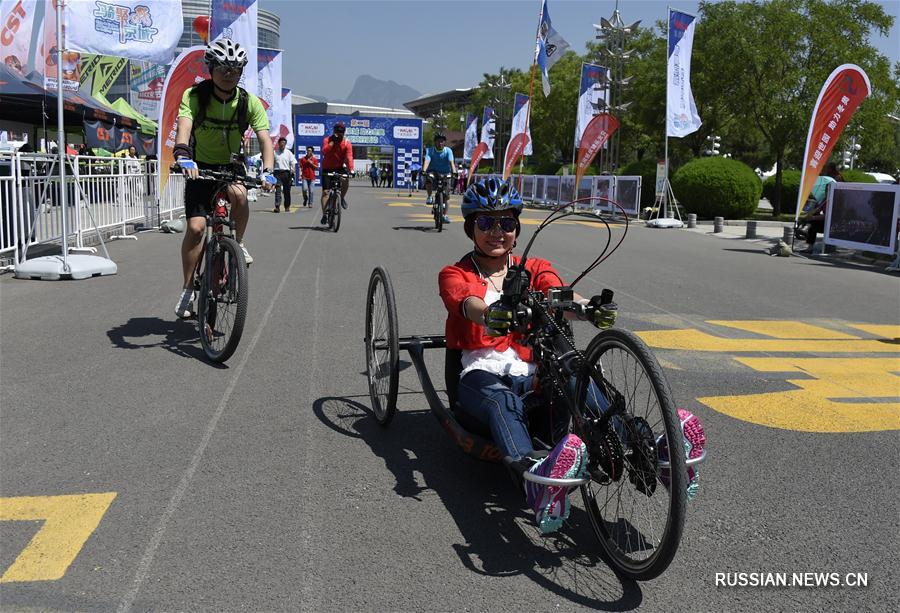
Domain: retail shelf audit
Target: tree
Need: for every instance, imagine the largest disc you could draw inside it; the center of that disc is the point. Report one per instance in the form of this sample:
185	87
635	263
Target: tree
771	59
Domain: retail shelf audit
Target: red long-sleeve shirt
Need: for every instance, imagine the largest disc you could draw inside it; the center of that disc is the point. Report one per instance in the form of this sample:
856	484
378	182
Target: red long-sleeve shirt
336	153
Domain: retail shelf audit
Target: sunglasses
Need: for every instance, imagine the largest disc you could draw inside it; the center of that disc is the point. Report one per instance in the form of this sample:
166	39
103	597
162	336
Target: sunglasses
486	223
229	70
339	131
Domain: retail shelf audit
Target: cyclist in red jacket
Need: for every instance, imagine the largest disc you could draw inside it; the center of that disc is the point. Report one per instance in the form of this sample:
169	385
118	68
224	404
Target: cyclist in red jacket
337	156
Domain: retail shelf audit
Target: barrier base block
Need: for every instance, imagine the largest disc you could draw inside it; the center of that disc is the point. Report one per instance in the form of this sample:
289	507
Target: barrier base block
52	268
665	222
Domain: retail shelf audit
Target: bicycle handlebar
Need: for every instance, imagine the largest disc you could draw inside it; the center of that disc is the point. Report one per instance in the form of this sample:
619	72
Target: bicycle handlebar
225	176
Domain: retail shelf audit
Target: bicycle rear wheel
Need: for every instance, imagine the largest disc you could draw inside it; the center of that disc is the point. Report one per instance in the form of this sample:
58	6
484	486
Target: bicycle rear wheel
223	300
637	496
382	346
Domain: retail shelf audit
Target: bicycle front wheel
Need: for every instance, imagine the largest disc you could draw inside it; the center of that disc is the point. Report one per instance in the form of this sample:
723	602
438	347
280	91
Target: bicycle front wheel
638	493
382	346
223	300
438	213
337	215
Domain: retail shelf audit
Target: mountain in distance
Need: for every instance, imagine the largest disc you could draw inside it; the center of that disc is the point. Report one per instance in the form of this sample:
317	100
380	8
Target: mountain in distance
369	91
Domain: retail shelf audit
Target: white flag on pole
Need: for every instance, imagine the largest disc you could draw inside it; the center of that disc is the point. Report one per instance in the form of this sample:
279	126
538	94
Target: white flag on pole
550	47
681	111
138	29
593	97
237	20
17	23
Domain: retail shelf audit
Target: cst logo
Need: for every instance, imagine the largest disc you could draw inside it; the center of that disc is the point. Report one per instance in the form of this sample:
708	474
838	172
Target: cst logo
406	132
310	129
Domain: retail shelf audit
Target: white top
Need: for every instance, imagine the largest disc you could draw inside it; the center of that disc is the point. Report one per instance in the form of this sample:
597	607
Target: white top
490	360
284	160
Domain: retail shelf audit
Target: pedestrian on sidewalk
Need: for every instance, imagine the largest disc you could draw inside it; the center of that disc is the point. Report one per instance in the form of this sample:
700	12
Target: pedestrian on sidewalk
308	166
284	174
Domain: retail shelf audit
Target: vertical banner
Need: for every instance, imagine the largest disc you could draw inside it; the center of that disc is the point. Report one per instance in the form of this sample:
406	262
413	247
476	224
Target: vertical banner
137	29
16	27
471	136
519	137
488	130
844	89
593	97
187	70
45	64
237	20
549	48
269	84
597	132
285	125
681	111
146	85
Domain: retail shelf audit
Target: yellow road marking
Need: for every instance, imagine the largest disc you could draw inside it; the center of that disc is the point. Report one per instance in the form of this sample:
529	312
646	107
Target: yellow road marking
695	340
785	329
836	394
813	407
69	521
891	331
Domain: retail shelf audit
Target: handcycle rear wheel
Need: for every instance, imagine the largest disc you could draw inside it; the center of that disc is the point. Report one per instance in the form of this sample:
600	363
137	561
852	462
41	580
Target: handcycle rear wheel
382	346
637	516
222	307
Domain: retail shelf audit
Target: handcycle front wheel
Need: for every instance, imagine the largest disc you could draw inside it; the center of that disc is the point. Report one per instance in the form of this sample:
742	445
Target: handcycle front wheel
382	346
637	514
222	307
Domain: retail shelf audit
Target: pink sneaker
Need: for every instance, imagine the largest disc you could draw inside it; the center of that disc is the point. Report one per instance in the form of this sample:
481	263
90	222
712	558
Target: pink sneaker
550	503
694	442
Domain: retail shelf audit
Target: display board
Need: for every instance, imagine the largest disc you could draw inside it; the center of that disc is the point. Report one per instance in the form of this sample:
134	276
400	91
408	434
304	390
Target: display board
402	136
863	216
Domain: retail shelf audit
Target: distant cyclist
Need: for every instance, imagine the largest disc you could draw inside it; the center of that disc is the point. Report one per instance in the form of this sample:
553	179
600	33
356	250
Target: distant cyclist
337	156
212	119
438	159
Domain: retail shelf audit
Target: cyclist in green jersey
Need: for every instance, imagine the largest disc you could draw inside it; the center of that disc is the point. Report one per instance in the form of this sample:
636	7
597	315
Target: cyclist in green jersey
212	120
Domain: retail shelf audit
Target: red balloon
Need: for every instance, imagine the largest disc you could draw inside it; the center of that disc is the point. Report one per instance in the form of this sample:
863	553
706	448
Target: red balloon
201	27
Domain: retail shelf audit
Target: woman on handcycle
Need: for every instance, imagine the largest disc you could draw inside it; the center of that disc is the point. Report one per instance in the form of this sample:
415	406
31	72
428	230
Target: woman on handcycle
497	369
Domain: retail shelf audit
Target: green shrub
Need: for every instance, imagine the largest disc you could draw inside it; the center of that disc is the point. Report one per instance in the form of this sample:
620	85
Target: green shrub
716	186
646	169
857	176
790	186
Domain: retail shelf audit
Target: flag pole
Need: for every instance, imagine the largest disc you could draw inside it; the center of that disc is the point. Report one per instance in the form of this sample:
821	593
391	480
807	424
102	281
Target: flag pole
61	135
537	33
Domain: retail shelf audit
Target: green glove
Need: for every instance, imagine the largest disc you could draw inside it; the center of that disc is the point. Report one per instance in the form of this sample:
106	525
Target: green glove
604	317
498	319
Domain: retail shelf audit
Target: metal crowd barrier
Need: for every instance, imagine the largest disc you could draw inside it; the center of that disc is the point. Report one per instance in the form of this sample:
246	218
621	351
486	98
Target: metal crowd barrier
553	190
102	194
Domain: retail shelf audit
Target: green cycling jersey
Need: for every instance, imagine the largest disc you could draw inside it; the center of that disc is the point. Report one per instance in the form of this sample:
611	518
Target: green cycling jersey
219	135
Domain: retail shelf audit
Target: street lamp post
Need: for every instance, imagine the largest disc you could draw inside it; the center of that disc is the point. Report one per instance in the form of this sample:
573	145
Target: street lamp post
499	88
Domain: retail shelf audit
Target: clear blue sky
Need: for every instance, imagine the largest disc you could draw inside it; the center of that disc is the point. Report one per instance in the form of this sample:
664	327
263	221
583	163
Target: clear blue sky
436	45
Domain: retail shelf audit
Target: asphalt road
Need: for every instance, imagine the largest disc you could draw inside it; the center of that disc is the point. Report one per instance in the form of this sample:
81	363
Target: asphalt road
266	485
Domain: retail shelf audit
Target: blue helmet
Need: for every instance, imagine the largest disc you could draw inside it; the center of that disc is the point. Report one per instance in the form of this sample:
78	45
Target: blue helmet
491	195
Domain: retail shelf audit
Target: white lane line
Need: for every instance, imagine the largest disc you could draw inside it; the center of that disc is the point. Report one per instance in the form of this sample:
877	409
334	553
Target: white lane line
143	569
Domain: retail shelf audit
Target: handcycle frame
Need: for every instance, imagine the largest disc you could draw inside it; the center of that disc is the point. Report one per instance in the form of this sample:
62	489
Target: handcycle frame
630	445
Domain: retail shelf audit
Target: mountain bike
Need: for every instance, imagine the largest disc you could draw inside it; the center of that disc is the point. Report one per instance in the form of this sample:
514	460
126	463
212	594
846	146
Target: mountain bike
333	203
221	276
439	188
635	489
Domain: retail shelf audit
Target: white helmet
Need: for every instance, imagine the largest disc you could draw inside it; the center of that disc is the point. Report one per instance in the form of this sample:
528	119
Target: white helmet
225	52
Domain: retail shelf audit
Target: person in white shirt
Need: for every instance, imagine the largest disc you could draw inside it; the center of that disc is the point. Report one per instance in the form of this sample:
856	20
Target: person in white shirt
285	163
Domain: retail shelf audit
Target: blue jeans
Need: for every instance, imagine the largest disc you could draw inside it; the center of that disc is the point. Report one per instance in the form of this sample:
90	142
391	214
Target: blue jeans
497	402
307	186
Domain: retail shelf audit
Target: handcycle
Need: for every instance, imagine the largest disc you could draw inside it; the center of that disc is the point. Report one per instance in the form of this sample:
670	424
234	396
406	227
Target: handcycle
333	203
439	188
634	491
220	277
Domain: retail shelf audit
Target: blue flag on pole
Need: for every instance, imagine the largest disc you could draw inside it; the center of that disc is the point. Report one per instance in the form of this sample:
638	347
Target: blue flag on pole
550	47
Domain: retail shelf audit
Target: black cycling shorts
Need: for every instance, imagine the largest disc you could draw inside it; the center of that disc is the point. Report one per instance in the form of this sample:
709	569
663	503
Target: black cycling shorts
326	183
198	193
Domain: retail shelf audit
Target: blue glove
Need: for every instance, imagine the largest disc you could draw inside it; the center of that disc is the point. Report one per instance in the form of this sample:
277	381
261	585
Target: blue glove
269	178
187	163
